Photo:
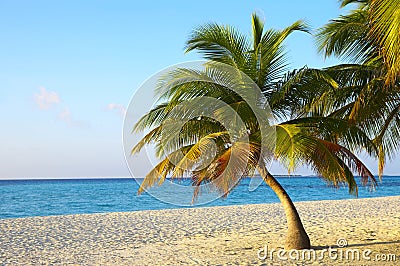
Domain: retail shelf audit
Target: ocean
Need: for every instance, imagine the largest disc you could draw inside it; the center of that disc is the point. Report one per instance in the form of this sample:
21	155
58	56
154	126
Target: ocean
25	198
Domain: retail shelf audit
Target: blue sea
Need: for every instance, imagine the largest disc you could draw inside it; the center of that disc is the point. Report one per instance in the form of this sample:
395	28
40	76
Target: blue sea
24	198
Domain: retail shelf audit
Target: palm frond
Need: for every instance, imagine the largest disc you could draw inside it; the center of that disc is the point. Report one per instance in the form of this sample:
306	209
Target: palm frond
272	59
352	162
150	137
385	17
219	43
347	2
295	146
158	173
257	30
337	131
228	167
153	118
347	38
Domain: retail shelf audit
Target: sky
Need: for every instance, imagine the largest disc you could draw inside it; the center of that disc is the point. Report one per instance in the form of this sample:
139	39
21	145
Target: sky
68	69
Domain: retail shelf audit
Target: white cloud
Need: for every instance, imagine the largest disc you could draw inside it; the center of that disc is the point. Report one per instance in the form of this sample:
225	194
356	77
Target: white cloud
65	115
45	99
119	108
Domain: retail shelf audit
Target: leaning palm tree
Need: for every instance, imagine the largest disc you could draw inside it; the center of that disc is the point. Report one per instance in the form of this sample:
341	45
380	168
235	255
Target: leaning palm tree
226	130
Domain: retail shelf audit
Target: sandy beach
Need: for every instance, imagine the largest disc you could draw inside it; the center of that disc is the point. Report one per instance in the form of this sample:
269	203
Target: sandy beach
233	235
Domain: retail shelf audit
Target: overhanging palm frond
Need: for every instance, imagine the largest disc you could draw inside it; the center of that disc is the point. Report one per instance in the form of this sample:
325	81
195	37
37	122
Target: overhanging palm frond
388	138
335	163
229	166
385	17
368	35
347	38
337	131
299	91
150	137
189	133
352	162
151	119
158	173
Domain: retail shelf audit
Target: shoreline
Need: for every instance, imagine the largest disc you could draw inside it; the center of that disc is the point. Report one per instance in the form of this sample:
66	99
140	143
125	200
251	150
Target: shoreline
194	207
204	235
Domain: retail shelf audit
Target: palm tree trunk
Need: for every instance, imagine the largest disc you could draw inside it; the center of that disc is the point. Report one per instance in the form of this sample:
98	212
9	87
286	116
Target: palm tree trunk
296	237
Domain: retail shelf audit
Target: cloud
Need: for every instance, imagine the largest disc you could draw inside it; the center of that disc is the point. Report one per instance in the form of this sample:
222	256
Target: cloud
65	115
119	108
45	99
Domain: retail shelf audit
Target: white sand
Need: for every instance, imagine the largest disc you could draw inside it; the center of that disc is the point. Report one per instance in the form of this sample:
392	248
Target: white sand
202	236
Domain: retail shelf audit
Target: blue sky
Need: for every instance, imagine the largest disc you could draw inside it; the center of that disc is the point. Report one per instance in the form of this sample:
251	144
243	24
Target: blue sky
69	68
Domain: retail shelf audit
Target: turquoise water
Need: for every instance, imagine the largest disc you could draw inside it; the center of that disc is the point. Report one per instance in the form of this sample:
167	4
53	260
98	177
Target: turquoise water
24	198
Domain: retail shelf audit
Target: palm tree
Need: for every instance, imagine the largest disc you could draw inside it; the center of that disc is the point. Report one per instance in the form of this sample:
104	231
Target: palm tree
242	75
368	35
368	89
